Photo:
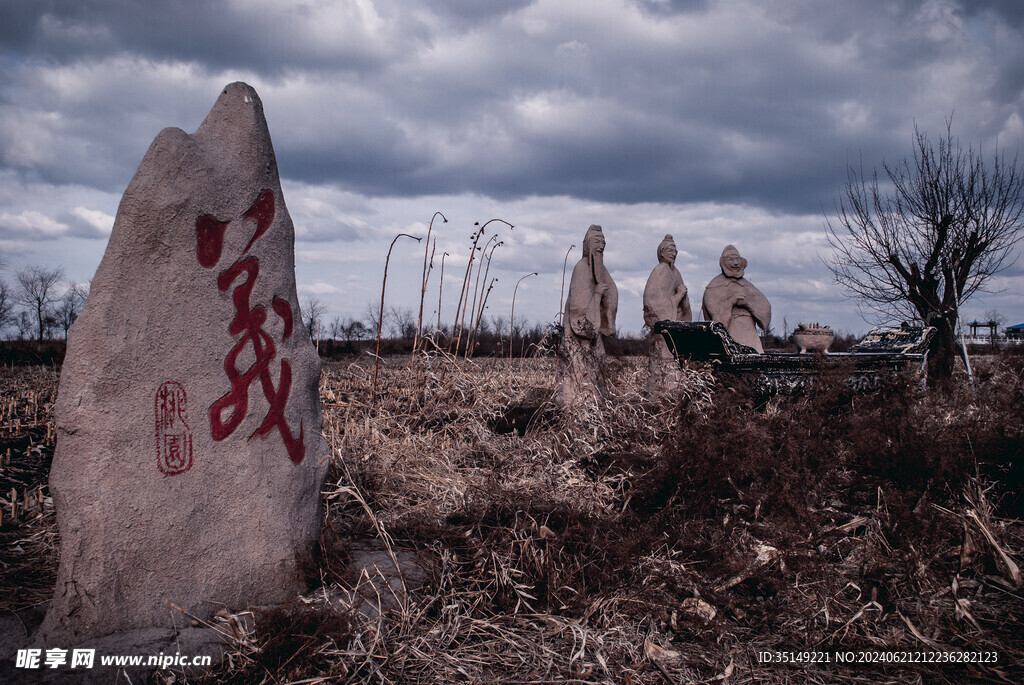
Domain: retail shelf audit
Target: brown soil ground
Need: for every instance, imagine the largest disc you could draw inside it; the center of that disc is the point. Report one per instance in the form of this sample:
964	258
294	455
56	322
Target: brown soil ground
624	543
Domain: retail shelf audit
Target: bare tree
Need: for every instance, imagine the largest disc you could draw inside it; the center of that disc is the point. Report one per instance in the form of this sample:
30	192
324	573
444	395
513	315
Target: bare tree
6	299
337	328
372	315
23	322
70	305
402	322
37	287
357	330
499	323
930	235
6	306
313	311
995	316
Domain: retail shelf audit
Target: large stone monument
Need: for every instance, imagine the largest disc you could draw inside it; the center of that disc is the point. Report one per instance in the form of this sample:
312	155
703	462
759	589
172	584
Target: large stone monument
732	299
189	456
665	299
589	314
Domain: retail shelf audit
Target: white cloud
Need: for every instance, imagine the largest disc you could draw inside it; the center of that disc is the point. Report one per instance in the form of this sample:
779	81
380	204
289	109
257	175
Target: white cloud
29	224
320	288
101	221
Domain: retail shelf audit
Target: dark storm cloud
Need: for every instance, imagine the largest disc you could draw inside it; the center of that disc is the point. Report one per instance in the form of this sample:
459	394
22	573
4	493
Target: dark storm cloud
465	13
667	7
1011	11
585	114
268	37
656	101
767	118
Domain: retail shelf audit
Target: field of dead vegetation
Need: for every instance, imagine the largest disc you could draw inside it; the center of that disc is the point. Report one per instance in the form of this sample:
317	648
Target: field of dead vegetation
621	543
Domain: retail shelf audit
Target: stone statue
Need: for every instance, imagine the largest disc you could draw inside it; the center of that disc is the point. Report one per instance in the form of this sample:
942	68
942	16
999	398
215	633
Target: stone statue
732	299
589	314
665	299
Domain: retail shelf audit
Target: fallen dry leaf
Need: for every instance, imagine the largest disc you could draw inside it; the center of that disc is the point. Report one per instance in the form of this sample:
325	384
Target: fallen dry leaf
656	653
699	608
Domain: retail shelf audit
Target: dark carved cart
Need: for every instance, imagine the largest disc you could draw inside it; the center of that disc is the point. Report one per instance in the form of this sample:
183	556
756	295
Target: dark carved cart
884	350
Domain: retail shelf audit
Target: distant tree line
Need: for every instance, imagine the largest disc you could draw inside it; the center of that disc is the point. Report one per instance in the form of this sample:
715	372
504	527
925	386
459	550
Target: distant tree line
39	304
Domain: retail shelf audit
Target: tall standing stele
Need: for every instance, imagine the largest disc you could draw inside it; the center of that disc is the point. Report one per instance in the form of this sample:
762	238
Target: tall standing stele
189	455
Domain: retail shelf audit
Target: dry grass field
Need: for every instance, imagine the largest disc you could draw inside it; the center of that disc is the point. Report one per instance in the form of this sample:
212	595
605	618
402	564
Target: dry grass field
621	543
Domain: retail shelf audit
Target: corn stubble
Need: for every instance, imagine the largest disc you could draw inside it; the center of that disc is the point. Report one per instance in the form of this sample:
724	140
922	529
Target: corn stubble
628	542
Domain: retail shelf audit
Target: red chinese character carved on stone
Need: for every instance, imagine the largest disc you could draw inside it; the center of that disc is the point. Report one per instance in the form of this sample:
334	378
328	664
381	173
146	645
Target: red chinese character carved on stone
227	413
173	435
209	239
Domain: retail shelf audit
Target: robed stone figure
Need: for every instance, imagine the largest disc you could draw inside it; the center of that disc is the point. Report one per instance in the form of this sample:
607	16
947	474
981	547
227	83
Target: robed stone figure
589	314
732	299
665	299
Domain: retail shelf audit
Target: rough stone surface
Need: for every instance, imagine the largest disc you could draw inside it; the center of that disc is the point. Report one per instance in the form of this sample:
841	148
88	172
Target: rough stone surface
732	299
589	314
665	299
384	579
189	456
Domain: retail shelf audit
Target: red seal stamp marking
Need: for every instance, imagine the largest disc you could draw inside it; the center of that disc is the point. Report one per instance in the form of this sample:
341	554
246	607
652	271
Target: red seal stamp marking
173	435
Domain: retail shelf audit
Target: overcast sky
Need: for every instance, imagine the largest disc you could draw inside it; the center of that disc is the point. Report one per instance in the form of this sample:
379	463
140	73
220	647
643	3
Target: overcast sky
717	122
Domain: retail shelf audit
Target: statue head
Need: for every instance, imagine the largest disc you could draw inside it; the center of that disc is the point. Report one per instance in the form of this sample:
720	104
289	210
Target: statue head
731	263
667	250
593	241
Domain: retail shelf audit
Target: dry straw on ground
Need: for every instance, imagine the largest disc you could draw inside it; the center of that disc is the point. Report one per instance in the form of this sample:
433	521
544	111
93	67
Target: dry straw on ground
627	542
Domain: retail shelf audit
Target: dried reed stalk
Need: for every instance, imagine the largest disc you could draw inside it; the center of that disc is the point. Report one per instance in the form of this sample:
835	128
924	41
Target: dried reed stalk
476	292
380	319
426	276
469	266
463	293
479	313
440	292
